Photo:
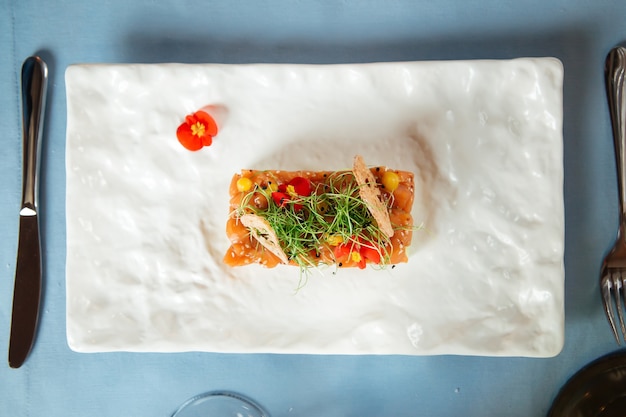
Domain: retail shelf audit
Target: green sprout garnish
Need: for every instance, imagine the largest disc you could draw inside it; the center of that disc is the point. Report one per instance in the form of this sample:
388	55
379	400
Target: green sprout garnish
333	214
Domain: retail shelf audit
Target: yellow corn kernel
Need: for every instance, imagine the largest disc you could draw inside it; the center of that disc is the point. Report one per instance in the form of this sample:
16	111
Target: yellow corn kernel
334	240
390	181
272	186
244	184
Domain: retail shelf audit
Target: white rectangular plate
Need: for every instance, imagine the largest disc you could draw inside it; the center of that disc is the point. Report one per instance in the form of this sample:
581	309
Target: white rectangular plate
146	218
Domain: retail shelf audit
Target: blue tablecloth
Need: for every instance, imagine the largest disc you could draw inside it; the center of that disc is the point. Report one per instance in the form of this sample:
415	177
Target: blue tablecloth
58	382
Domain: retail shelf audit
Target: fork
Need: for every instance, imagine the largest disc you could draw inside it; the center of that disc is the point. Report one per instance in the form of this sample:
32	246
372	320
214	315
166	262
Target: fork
613	275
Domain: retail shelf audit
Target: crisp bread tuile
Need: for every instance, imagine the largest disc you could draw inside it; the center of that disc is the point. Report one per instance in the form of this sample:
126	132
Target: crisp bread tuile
264	234
370	193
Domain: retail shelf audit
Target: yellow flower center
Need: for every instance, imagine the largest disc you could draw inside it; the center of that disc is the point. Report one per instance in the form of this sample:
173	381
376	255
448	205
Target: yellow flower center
356	256
197	129
291	190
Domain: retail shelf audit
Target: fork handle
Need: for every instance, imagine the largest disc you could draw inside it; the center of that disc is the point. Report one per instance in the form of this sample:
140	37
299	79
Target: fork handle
614	72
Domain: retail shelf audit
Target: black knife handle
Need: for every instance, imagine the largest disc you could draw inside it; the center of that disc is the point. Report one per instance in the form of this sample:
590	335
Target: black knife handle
34	87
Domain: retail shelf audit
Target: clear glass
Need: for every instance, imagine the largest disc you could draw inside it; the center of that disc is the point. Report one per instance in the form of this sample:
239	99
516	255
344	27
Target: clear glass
220	404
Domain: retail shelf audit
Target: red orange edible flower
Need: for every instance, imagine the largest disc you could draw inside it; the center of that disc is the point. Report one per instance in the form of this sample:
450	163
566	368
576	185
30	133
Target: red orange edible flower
197	131
358	252
298	186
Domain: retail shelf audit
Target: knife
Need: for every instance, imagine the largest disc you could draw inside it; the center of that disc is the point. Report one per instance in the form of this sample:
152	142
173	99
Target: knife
27	290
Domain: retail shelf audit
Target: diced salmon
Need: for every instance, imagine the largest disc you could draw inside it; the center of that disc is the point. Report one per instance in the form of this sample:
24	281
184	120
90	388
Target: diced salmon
244	249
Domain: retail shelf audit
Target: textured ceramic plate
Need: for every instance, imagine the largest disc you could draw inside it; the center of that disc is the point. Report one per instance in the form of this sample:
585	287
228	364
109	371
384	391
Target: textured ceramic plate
145	217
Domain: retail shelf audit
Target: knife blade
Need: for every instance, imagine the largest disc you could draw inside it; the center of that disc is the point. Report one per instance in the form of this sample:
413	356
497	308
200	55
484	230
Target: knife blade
28	270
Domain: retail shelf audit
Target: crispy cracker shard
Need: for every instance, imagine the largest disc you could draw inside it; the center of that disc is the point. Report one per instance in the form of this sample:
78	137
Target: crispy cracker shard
261	230
369	192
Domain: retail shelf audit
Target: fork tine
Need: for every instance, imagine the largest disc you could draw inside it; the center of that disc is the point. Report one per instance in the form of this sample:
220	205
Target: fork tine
618	291
623	288
607	286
